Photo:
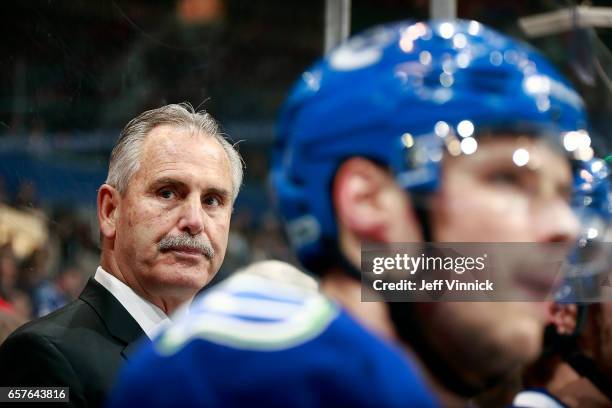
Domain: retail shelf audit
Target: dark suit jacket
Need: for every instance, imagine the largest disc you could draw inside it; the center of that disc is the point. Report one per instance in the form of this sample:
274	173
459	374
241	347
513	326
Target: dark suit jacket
80	346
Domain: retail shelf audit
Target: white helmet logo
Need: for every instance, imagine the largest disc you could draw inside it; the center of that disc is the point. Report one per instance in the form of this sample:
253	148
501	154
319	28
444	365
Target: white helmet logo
361	51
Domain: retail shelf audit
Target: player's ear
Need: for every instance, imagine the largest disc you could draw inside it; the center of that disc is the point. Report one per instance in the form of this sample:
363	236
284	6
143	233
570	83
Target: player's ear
564	317
108	201
369	203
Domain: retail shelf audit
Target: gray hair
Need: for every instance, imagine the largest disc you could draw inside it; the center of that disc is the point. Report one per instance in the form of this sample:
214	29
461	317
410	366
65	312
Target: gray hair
125	157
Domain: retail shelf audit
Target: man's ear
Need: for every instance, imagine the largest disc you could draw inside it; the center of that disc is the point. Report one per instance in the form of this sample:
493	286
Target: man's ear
108	201
564	317
362	193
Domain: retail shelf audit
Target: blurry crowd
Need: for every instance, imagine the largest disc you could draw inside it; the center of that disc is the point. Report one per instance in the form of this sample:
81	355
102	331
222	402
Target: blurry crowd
44	254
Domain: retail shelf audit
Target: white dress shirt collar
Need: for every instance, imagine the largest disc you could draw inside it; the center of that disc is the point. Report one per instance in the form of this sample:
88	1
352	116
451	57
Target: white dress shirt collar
148	316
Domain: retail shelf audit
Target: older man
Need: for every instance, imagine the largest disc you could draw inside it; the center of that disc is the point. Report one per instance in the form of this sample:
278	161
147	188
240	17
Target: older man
164	215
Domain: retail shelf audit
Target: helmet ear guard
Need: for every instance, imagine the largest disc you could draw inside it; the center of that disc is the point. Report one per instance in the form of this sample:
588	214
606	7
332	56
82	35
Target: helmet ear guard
404	95
589	262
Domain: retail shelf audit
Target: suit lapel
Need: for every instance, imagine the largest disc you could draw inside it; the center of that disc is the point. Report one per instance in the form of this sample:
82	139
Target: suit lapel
129	350
118	321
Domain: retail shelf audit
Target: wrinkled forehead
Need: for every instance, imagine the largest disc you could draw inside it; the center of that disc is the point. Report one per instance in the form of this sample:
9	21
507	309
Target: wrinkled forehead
169	149
168	139
180	144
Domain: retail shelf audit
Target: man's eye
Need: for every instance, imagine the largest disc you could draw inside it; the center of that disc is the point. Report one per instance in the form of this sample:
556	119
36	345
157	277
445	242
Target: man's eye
166	193
212	201
505	178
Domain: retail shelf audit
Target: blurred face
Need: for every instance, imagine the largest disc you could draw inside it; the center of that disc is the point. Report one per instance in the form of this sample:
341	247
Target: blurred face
487	197
172	223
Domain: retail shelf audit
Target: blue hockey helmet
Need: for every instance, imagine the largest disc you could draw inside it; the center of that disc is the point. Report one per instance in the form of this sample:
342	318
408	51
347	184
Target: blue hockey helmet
404	95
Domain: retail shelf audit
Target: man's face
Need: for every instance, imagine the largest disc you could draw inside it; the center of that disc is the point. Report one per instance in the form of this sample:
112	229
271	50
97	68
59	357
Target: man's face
486	197
181	189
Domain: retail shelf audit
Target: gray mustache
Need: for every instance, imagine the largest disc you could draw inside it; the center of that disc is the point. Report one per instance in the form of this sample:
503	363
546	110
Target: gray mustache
187	241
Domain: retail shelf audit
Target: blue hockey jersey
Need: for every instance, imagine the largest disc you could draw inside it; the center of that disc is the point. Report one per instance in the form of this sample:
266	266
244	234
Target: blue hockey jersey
256	342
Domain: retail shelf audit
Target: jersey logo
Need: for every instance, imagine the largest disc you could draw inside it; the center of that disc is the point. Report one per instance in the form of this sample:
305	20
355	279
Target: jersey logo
247	318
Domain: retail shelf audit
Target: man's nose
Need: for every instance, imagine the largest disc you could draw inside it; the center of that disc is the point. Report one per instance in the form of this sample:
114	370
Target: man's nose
192	215
556	222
